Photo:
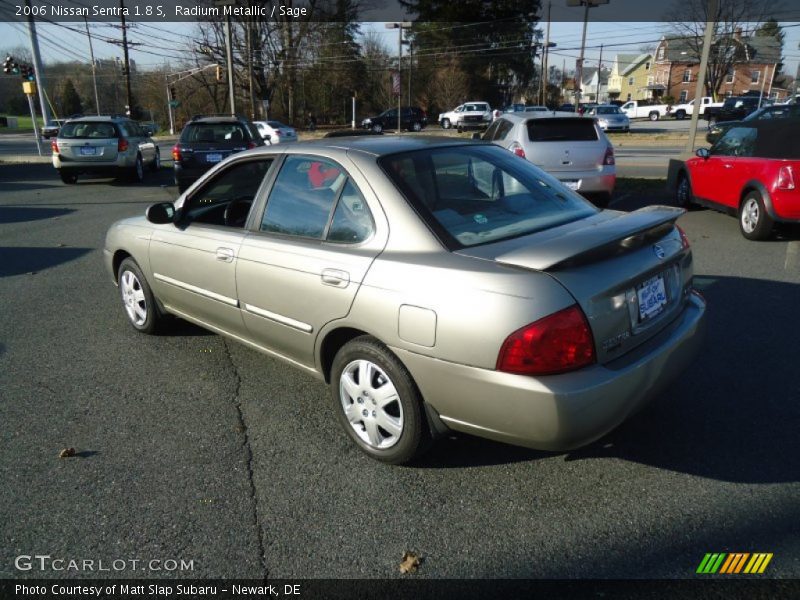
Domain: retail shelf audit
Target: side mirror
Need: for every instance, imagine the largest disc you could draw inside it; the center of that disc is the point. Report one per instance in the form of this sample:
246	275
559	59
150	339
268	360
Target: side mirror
476	136
160	213
702	153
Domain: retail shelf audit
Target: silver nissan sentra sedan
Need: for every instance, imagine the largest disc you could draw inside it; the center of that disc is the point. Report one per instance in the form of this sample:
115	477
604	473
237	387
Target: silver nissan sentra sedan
435	284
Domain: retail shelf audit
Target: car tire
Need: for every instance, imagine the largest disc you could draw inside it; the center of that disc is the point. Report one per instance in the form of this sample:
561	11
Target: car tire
680	115
377	128
683	192
395	433
137	298
136	173
653	116
754	222
68	178
156	164
446	124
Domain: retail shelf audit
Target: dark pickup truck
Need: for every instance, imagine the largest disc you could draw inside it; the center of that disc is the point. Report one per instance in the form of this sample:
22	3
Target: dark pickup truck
733	109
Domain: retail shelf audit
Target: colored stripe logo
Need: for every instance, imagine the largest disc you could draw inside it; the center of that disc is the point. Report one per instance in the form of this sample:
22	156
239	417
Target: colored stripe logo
734	563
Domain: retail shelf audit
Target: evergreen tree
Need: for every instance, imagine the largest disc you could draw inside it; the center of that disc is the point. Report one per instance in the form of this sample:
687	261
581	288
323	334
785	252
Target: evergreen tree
770	28
70	100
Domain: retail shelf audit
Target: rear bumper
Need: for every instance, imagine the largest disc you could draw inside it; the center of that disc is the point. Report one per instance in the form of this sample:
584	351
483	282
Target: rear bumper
123	161
591	181
558	412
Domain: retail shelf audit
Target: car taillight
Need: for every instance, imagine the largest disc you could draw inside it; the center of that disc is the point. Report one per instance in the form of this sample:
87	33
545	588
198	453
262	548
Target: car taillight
176	153
608	159
54	146
684	240
555	344
517	149
785	178
122	145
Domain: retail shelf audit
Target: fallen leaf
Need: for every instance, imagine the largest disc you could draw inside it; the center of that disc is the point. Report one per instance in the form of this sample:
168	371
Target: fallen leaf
410	562
67	452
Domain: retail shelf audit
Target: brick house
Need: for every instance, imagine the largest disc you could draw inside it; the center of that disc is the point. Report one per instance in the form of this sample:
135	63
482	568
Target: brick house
676	68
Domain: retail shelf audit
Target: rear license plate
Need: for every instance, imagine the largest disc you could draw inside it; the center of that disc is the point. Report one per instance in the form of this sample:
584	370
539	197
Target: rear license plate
213	158
652	297
87	150
572	184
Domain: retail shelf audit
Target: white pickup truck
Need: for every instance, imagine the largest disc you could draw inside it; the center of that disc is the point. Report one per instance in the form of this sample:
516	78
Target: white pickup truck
638	110
681	111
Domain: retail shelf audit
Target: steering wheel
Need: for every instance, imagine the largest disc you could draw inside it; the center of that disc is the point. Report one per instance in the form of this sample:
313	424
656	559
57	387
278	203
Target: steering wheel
236	212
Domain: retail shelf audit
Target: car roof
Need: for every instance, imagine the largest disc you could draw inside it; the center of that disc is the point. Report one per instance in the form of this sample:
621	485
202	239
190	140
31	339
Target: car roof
526	116
376	145
776	137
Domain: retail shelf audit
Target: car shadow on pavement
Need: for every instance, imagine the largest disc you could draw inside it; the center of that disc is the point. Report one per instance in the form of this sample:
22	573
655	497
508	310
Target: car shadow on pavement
18	260
20	214
733	415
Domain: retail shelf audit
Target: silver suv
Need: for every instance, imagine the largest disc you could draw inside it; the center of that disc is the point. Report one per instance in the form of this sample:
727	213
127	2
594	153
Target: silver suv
572	148
106	145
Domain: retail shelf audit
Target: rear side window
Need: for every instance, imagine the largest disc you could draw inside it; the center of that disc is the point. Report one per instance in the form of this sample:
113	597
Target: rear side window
87	130
561	130
498	130
213	132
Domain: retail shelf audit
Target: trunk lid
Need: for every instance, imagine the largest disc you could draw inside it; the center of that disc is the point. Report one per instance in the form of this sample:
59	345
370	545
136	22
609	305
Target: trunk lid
629	272
563	145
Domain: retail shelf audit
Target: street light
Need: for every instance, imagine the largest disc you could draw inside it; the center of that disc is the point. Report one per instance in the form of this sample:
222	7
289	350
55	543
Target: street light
399	26
579	64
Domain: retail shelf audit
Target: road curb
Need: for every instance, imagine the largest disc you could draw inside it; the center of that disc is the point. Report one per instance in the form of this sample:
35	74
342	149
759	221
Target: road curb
21	159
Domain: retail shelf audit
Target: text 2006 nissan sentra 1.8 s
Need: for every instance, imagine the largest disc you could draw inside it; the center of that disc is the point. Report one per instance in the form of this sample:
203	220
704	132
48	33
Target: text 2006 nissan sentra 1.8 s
436	285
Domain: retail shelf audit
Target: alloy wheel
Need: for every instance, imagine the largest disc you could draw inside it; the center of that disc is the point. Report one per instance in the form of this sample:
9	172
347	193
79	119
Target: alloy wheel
750	215
133	298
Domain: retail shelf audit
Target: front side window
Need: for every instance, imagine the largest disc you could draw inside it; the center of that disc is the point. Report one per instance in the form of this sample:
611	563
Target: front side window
226	199
738	141
471	195
314	198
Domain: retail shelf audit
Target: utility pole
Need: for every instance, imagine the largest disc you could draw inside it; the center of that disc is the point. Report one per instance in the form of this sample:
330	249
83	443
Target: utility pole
599	66
37	65
250	82
399	27
94	67
127	64
229	61
579	63
546	52
169	106
708	38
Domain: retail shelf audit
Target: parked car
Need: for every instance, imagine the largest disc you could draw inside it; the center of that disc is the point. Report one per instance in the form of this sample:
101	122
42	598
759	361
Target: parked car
536	108
208	140
686	109
749	172
777	111
566	107
467	115
51	129
572	148
610	118
412	118
105	145
735	108
276	132
511	108
436	285
636	109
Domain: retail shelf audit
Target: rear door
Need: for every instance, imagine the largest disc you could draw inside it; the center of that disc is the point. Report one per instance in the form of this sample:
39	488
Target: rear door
564	145
88	142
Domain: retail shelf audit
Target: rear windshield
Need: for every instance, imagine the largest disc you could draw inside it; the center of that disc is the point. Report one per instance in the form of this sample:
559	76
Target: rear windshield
87	130
471	195
214	132
608	110
561	130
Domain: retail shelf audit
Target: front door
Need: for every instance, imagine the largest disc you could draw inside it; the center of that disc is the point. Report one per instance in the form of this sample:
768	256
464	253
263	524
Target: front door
194	263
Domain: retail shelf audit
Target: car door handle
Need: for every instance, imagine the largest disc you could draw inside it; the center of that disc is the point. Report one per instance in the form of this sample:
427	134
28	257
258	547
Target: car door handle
335	277
225	254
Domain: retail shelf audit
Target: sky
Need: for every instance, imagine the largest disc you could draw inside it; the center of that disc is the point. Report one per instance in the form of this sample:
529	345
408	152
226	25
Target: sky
168	41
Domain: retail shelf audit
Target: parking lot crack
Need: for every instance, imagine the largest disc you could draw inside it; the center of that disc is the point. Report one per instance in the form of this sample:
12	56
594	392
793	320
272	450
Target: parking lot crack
242	427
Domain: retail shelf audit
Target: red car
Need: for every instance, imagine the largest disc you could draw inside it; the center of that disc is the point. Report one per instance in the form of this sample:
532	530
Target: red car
752	171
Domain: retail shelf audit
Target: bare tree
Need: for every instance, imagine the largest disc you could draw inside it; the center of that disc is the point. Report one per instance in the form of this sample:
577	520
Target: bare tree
732	20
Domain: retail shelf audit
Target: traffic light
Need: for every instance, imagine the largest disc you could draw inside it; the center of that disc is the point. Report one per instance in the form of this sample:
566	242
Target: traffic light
28	73
10	67
219	73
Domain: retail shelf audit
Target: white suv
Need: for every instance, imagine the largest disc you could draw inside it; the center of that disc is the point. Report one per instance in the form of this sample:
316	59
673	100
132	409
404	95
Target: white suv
469	114
571	148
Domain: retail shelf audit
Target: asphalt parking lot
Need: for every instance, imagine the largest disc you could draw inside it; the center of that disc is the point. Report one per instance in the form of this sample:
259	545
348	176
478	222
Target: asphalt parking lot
193	448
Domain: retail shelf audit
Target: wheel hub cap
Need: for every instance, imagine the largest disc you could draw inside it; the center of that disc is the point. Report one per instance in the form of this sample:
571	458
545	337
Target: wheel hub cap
371	404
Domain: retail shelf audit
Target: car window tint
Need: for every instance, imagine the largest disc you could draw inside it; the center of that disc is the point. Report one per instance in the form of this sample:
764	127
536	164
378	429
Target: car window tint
352	221
234	189
213	133
477	194
303	196
502	130
87	130
488	135
561	130
738	141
